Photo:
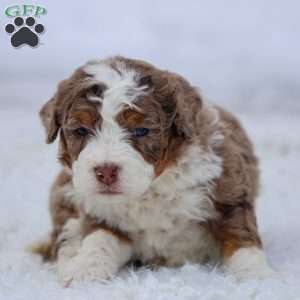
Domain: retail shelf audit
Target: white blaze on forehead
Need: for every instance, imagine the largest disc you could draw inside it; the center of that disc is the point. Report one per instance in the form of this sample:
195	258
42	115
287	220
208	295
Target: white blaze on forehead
111	144
122	86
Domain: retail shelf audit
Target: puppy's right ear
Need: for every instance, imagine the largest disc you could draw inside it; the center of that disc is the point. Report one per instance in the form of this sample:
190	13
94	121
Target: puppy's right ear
49	118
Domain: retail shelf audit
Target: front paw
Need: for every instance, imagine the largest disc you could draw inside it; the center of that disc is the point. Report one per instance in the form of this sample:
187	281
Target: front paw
83	268
99	257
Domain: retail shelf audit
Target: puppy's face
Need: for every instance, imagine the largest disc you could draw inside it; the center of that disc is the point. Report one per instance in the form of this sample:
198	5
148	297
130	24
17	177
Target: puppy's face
117	128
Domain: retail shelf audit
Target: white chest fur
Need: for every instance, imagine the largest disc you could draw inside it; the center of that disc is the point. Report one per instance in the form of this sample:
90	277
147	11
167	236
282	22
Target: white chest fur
166	221
164	228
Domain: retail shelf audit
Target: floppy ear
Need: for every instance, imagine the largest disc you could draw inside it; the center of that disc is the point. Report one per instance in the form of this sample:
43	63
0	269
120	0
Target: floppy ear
51	113
48	115
188	110
180	103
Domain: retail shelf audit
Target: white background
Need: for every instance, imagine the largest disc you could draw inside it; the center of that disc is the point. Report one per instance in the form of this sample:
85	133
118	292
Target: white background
243	53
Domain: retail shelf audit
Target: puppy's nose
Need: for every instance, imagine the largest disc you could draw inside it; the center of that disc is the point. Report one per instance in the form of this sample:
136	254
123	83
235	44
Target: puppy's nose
107	173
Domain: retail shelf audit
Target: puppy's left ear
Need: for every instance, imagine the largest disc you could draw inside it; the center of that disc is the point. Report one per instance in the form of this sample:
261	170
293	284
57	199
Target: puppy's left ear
49	118
188	109
180	103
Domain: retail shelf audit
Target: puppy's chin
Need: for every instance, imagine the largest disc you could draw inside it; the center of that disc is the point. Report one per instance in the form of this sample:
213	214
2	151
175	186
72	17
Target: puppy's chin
120	196
89	199
111	197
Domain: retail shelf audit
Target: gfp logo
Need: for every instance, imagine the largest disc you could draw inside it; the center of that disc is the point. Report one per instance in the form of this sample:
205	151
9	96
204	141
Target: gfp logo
24	29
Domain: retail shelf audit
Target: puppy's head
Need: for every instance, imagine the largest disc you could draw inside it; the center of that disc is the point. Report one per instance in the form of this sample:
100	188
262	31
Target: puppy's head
121	124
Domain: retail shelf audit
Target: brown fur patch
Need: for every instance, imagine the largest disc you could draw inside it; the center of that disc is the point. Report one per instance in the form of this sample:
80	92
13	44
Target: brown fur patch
82	113
236	190
83	117
61	209
161	111
130	118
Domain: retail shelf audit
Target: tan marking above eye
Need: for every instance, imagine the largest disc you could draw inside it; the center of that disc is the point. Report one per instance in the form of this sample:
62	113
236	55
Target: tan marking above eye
130	118
84	117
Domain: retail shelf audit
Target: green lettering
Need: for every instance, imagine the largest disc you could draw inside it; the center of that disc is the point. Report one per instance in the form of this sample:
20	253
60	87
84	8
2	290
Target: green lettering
40	11
27	9
12	11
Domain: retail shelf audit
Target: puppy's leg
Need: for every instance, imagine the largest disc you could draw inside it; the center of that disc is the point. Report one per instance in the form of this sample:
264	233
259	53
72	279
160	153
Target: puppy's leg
100	257
62	208
241	246
68	243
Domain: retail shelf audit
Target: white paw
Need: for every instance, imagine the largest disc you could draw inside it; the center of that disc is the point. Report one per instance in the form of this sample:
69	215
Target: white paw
250	263
86	268
260	273
99	257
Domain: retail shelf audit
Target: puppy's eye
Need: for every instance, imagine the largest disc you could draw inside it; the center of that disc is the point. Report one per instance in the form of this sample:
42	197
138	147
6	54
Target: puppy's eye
141	131
81	131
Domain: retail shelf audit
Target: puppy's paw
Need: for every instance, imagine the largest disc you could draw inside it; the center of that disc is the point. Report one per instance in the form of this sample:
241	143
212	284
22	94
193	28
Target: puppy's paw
99	257
250	263
86	268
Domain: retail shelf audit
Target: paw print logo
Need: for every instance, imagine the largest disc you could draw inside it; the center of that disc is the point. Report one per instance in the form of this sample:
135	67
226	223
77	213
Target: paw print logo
24	34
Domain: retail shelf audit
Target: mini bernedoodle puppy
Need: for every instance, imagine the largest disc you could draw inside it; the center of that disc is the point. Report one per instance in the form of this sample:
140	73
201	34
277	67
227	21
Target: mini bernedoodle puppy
151	172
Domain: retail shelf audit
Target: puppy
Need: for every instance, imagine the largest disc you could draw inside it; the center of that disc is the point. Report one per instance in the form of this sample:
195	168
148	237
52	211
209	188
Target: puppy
151	171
